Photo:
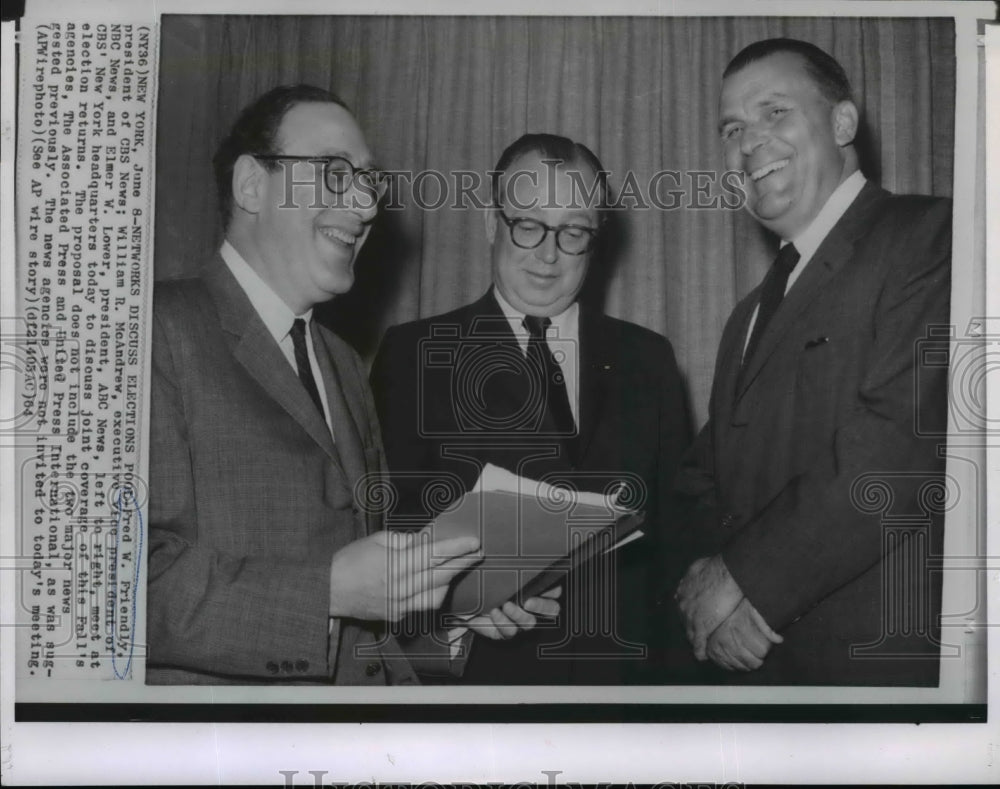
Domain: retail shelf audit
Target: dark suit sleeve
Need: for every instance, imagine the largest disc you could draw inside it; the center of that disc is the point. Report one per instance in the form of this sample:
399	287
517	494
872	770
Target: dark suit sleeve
695	479
668	514
674	439
208	611
816	536
693	498
395	382
675	422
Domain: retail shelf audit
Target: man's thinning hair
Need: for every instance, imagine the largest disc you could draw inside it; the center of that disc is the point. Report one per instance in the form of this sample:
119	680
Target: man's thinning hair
550	147
826	72
256	131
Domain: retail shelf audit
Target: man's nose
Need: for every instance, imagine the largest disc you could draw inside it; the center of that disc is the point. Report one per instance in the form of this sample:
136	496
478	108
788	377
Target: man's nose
362	201
547	251
751	139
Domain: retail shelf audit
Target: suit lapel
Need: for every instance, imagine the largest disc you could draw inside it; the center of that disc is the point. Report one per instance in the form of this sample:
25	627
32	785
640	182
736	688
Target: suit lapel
346	408
833	254
731	352
255	349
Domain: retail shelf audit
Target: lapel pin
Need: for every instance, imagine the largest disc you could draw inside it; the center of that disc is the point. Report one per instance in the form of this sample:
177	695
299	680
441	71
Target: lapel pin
817	341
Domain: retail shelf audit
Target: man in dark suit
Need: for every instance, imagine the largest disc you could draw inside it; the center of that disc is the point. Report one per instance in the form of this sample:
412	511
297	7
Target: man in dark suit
263	565
817	469
529	379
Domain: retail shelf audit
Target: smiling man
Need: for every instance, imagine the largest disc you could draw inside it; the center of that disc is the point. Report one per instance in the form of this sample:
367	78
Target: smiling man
262	566
805	577
530	379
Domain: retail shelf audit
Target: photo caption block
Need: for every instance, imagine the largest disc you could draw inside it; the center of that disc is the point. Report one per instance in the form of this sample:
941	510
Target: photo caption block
84	274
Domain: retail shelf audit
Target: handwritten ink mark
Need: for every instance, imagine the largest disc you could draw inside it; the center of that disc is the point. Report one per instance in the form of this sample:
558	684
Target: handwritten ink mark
123	491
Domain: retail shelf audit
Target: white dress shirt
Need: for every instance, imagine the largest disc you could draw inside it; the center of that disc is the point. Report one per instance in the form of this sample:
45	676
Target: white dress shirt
276	315
809	240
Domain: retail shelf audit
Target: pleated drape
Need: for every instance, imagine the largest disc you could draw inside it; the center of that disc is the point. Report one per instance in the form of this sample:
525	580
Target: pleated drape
447	94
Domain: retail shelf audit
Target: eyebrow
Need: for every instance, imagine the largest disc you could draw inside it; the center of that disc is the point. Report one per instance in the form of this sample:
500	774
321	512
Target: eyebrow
724	122
580	218
770	98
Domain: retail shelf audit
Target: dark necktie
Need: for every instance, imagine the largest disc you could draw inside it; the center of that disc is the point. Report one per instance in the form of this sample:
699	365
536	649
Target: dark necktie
556	396
770	296
298	333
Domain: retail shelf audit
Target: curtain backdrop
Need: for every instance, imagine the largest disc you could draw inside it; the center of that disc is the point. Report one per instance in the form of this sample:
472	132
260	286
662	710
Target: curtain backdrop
449	93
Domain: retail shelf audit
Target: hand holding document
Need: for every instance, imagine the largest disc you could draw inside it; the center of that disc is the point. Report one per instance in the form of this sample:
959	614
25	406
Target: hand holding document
369	582
531	534
510	619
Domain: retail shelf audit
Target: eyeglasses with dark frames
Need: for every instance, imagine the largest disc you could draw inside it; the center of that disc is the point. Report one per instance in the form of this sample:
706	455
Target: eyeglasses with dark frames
338	172
530	233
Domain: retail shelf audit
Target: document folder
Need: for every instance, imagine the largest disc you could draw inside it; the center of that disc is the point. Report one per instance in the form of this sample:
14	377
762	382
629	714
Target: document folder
529	543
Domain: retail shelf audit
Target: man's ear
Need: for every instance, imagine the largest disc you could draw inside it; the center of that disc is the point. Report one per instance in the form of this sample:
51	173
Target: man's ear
248	183
845	122
491	224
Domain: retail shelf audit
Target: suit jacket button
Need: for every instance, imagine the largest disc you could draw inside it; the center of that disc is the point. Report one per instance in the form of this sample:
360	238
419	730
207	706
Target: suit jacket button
372	669
286	666
301	666
272	667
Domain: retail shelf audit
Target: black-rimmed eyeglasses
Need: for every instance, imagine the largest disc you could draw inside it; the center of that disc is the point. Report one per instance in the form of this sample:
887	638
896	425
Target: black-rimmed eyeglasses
530	233
338	172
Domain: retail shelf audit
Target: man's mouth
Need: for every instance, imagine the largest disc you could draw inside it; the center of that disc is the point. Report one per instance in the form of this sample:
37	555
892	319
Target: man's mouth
767	169
342	236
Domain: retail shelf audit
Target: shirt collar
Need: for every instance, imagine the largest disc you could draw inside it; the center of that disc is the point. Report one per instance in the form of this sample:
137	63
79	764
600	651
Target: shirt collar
276	315
565	323
808	241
